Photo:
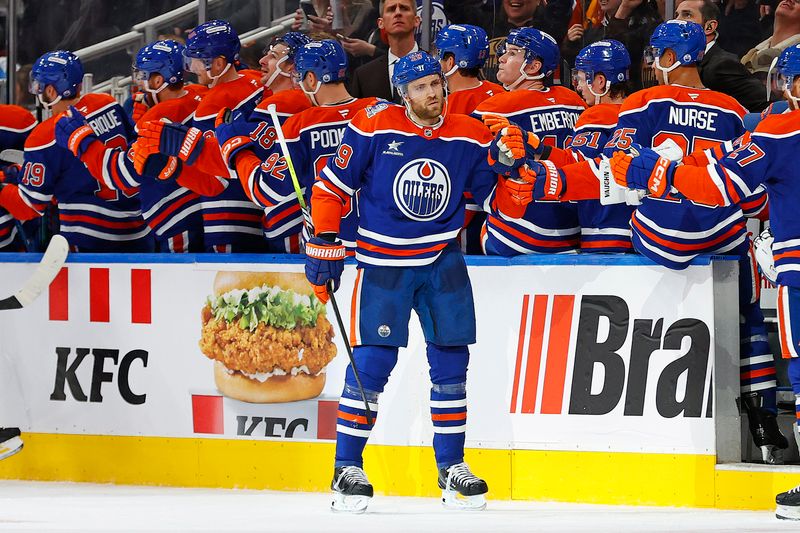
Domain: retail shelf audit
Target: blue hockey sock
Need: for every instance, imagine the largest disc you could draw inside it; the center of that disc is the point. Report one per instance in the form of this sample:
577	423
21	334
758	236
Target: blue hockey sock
374	364
448	369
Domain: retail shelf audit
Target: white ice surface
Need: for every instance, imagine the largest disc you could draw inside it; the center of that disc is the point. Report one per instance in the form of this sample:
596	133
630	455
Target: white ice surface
30	506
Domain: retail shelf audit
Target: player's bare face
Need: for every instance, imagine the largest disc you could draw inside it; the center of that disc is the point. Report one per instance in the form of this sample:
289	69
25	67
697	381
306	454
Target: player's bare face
510	63
269	63
689	10
399	17
518	10
426	97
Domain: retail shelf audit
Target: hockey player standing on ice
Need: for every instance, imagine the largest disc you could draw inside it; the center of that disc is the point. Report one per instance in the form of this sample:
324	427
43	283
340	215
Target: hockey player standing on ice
727	176
231	222
671	230
312	136
171	207
413	166
527	61
93	218
462	50
16	123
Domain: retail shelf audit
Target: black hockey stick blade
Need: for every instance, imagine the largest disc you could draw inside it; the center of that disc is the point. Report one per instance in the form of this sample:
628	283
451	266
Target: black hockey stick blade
45	272
15	157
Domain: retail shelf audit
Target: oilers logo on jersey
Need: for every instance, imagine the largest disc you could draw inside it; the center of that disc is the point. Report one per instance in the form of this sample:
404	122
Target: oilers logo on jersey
422	189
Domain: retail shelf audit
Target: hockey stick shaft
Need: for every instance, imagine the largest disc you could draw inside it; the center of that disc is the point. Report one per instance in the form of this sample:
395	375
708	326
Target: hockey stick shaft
45	273
272	110
350	353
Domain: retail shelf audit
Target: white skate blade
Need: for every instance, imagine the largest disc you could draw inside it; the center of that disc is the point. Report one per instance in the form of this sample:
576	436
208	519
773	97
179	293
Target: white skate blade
10	447
772	455
343	503
787	512
451	499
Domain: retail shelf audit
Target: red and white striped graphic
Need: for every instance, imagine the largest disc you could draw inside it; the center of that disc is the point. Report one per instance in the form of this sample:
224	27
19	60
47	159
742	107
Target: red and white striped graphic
545	330
99	308
208	415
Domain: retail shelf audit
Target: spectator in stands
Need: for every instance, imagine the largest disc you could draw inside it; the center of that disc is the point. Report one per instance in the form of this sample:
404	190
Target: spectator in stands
355	28
551	17
633	24
399	20
720	70
581	35
739	30
786	33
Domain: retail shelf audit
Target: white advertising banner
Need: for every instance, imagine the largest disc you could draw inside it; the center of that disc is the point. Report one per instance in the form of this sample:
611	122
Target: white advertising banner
604	355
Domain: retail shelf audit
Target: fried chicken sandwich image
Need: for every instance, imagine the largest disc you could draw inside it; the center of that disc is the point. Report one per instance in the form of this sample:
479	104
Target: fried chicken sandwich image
268	335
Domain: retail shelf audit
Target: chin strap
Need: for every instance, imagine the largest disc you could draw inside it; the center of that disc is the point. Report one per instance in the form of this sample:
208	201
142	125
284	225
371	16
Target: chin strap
523	77
218	76
154	92
46	105
312	95
278	71
597	96
666	70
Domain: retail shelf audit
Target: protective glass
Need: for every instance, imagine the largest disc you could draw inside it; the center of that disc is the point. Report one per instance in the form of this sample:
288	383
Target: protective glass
35	87
651	53
196	65
140	77
579	78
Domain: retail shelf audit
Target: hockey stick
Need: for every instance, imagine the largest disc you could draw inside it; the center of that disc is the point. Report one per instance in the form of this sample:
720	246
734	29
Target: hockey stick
15	157
45	272
308	223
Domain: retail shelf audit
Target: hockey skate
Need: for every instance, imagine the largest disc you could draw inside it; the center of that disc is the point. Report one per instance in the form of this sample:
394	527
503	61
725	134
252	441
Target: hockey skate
351	490
764	428
10	443
461	489
788	504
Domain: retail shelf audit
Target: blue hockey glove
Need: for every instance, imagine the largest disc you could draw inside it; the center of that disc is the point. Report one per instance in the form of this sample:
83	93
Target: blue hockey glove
548	180
642	168
233	134
74	133
324	263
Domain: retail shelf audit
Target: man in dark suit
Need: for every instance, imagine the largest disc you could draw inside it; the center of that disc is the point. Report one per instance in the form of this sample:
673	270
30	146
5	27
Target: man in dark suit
399	21
720	70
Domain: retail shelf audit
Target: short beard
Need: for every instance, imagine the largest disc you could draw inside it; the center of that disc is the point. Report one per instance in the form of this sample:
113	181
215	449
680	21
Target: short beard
425	113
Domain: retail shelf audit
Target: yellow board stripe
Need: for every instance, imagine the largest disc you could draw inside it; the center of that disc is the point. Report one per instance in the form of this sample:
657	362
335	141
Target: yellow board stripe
586	477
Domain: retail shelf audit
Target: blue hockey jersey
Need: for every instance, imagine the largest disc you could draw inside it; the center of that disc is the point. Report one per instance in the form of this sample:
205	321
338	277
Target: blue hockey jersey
92	217
673	231
545	227
414	183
